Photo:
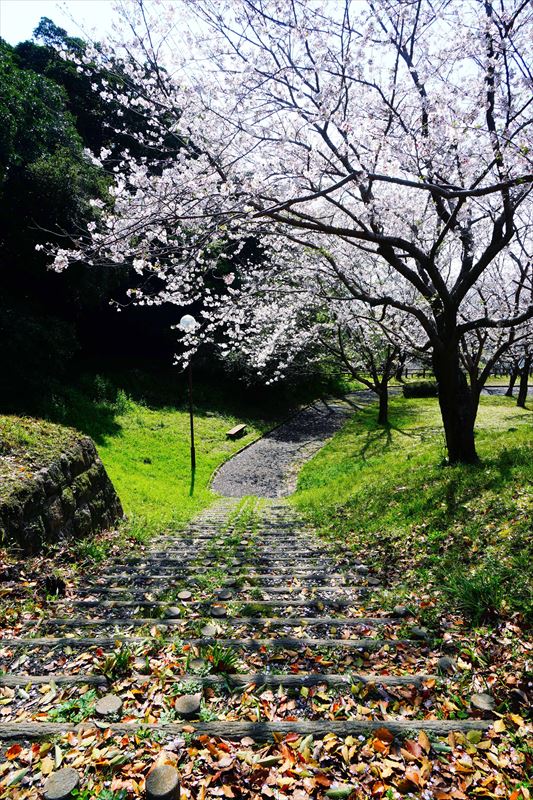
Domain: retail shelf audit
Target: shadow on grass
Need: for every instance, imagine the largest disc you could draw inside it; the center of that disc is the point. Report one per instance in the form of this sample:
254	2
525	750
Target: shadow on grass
376	434
94	402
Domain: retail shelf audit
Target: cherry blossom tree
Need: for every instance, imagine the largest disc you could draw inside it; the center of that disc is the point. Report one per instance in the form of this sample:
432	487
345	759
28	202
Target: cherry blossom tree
360	343
392	140
481	349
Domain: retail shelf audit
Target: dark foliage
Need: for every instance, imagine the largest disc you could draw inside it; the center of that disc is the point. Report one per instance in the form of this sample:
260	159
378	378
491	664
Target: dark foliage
420	389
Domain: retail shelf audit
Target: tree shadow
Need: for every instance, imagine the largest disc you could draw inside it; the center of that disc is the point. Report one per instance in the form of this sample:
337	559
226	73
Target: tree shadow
380	437
382	434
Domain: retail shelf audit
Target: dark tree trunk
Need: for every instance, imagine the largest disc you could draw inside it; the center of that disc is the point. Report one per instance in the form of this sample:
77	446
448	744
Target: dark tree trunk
400	368
512	380
383	415
524	380
457	406
475	391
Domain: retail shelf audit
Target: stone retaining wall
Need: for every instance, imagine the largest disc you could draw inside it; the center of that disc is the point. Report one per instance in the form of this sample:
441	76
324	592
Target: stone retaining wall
71	497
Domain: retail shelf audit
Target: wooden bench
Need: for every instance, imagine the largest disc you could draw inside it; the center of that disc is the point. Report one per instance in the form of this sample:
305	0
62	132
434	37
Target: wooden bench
236	432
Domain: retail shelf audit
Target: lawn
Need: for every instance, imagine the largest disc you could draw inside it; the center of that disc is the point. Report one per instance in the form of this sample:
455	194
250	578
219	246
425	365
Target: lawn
139	420
148	459
467	530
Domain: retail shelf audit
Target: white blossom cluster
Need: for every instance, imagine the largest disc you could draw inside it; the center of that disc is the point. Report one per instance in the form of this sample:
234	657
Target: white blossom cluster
379	152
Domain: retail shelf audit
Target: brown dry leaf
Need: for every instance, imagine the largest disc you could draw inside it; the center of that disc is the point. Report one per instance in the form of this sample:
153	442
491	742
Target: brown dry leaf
47	765
13	752
384	735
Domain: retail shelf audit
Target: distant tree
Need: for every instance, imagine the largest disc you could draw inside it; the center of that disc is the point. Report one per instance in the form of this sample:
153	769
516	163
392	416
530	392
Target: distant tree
360	343
481	349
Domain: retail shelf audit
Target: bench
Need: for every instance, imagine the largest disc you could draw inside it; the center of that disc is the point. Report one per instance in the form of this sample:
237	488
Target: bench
236	432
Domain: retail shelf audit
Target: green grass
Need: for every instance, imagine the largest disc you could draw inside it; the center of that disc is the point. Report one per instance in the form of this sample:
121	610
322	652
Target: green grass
140	424
148	460
26	445
467	529
139	421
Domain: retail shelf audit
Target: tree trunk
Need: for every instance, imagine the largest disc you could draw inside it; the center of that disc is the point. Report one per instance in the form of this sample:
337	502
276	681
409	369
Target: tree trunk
383	415
513	375
457	406
524	380
400	368
475	391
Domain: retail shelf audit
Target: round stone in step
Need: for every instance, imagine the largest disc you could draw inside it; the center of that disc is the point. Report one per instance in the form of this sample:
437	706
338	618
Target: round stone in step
224	594
400	611
419	633
483	702
172	612
447	665
163	783
362	569
219	611
110	705
236	562
209	631
373	581
60	785
184	595
188	705
234	571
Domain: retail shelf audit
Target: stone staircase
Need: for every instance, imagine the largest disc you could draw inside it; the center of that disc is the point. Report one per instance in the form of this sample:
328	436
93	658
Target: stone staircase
256	629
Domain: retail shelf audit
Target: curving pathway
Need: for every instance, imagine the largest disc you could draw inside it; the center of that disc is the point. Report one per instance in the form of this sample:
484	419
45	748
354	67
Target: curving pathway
268	467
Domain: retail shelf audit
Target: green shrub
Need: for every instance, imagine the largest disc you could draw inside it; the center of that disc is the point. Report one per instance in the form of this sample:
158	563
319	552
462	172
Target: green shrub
492	589
222	659
420	389
479	595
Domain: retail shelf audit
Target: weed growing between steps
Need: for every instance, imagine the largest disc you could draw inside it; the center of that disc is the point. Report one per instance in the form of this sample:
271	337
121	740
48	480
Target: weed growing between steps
464	531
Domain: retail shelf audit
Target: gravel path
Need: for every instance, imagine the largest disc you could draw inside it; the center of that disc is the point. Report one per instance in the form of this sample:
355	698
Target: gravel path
500	390
268	468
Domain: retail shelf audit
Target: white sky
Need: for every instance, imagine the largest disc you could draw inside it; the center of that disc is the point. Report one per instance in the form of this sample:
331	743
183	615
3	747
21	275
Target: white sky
18	18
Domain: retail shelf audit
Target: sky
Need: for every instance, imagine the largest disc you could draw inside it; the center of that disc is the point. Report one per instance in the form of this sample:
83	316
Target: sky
18	18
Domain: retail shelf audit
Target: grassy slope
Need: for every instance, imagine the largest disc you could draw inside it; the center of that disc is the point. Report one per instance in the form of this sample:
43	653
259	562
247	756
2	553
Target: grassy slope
140	423
26	445
149	459
384	490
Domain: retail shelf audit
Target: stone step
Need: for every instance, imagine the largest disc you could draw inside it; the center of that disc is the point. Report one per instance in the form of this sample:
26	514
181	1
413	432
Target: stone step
287	680
340	602
282	642
59	679
259	731
297	547
264	622
240	595
280	574
295	566
245	559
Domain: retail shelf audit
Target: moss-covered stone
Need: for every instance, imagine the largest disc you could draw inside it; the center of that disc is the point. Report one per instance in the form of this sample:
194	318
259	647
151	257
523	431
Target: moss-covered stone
52	484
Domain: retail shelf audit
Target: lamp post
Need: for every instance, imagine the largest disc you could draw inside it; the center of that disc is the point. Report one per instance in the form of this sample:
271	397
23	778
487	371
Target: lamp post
187	324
